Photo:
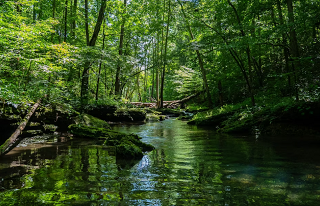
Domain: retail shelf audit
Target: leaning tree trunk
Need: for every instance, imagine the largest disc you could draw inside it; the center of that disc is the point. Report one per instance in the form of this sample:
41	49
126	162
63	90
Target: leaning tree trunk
11	142
100	64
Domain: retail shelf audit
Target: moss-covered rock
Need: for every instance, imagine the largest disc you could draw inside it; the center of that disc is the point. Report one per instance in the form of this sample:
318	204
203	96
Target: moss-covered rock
102	111
120	115
155	117
137	114
91	121
127	145
60	115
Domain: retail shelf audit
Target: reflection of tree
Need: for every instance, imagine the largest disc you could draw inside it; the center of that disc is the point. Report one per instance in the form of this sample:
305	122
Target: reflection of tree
78	174
190	167
199	167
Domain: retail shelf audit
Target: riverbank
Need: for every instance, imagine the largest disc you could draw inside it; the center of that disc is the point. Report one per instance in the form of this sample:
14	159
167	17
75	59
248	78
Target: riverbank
285	117
57	118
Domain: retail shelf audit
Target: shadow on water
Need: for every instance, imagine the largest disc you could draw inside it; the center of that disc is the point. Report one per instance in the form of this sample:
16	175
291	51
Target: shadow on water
190	166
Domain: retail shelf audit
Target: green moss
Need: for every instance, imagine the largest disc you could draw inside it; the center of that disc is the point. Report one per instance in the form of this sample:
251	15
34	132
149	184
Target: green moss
128	149
130	114
50	127
155	117
88	120
4	146
127	145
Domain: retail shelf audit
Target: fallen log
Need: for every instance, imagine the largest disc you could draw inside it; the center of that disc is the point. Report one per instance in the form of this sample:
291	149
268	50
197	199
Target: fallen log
184	100
13	140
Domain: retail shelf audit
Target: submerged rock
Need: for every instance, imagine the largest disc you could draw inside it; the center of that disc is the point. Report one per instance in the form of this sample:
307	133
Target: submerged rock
127	145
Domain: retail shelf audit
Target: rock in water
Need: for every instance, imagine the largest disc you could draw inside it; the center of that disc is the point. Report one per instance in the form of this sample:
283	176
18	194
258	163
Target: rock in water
127	145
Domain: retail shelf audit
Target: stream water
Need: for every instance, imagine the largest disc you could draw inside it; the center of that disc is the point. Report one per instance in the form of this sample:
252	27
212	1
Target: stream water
190	166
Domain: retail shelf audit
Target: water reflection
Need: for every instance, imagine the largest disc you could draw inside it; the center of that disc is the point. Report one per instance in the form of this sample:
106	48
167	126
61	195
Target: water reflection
190	166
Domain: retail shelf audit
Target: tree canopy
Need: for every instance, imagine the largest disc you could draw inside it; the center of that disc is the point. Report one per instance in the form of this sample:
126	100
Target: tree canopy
97	51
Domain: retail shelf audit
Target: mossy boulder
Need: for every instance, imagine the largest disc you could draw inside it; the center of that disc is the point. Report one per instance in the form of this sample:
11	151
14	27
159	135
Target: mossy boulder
155	117
127	145
58	114
101	111
120	114
91	121
129	115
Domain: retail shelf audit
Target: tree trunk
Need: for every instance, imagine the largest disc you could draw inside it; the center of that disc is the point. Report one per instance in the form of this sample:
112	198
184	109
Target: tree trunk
100	64
28	76
75	6
293	45
122	30
165	56
220	93
65	21
34	12
157	73
10	143
285	48
154	63
92	42
138	88
86	20
249	79
53	16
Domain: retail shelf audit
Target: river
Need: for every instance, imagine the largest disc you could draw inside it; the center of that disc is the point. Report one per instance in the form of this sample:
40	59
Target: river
190	166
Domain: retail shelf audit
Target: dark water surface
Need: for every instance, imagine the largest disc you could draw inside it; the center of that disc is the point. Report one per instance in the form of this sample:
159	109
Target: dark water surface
190	166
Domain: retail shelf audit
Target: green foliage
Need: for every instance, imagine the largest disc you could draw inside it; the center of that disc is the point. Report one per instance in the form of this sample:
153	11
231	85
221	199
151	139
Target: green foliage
243	46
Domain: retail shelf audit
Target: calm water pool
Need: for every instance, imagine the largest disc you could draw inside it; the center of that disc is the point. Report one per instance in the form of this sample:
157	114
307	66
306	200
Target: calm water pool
190	166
